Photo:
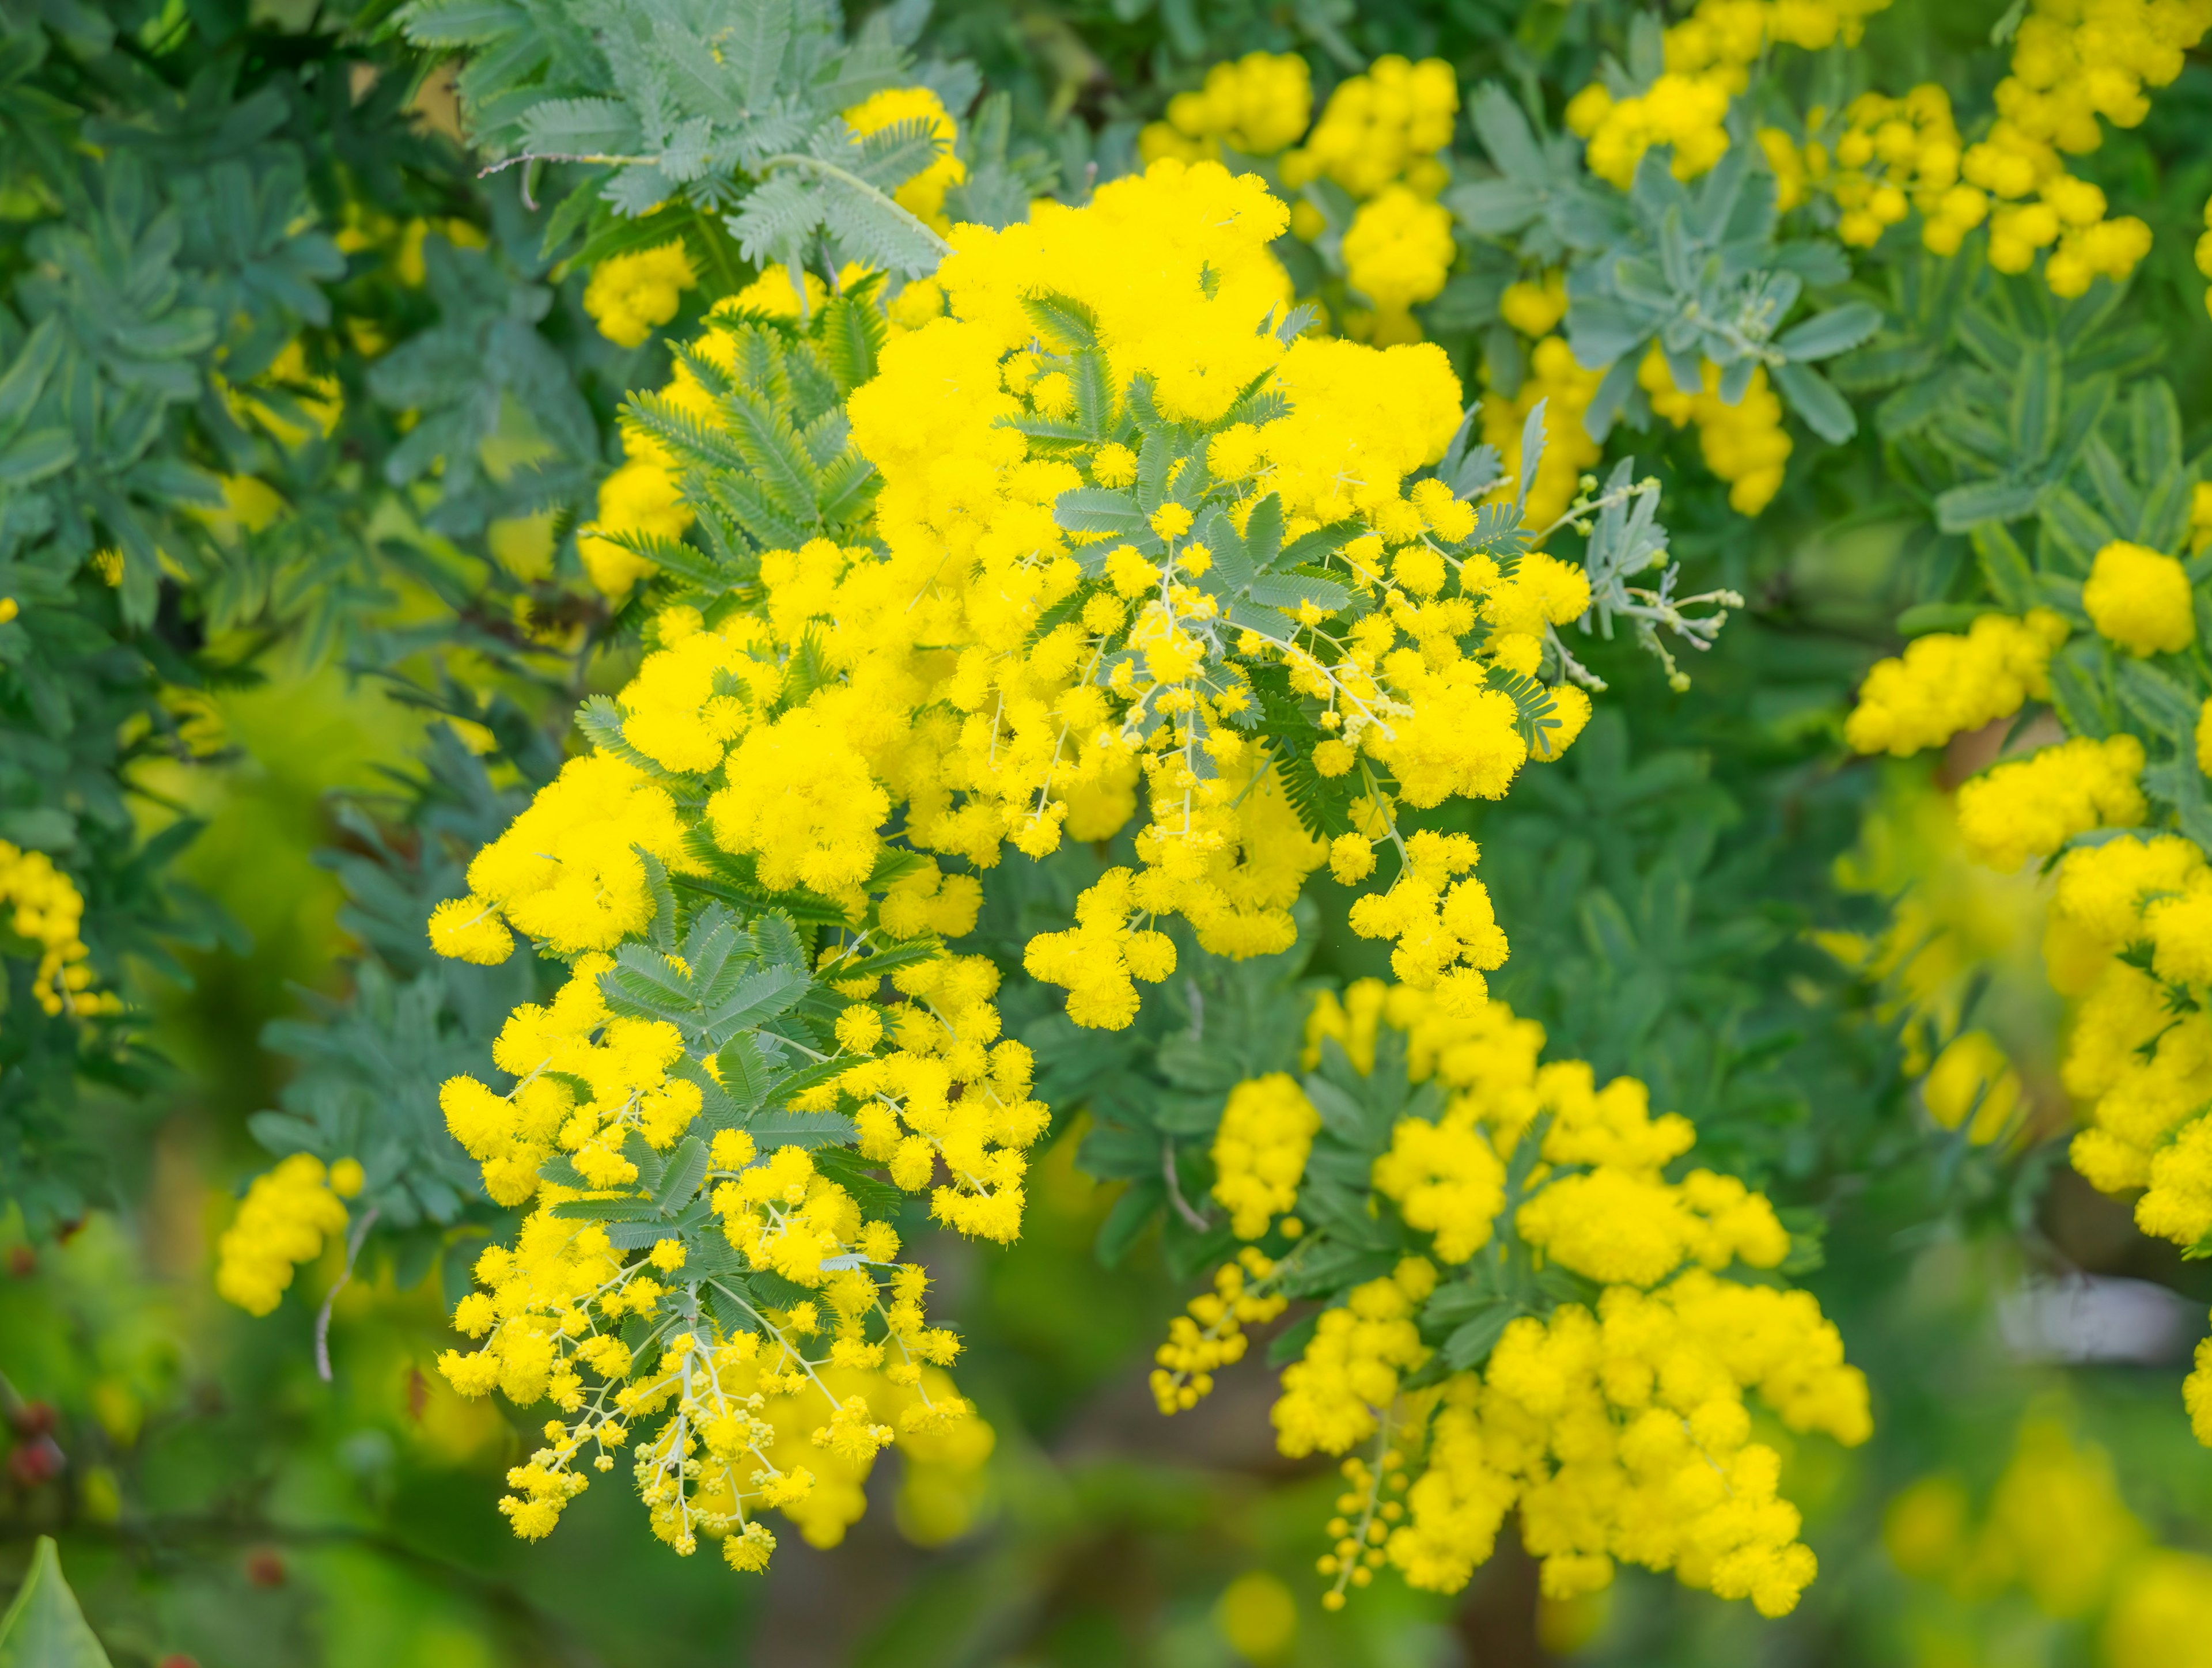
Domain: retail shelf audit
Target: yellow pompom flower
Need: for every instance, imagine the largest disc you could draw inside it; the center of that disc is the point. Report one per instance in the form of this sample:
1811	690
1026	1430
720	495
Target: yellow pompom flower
629	295
2140	599
283	1221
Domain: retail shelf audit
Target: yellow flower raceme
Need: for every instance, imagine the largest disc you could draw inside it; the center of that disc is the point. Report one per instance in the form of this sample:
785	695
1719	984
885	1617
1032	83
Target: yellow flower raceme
1255	105
1380	128
2140	599
2031	807
1396	253
285	1218
45	907
1618	1431
1260	1150
1744	443
1945	683
629	295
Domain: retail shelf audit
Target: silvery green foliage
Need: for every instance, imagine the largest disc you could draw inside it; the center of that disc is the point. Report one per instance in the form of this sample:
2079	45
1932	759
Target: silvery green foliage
1700	273
729	110
1695	267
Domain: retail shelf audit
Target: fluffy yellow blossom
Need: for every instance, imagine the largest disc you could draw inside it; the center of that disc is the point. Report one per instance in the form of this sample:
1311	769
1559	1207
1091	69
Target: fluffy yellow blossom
45	907
1744	443
1260	1150
2031	807
1381	127
1618	1432
1945	683
2140	599
1211	1334
283	1221
1396	253
629	295
1255	105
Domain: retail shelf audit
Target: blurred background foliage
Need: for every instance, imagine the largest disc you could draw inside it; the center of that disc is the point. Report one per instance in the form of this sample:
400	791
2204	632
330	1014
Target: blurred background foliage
321	703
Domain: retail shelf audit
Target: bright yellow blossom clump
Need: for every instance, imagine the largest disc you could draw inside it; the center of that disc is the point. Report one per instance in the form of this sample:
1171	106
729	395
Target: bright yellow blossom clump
1684	113
1744	443
1384	126
1212	1335
1617	1429
630	295
1110	502
286	1216
1534	307
1255	105
1556	378
45	907
1396	253
1260	1150
2031	807
1708	59
1946	683
2140	599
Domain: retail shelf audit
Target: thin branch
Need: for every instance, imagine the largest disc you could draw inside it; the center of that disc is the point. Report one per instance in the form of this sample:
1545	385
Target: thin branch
354	1242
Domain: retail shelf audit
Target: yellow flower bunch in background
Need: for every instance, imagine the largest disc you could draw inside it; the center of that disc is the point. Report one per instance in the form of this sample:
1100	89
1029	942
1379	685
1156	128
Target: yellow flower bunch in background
630	295
284	1220
1744	443
1616	1427
1708	60
1381	128
45	907
1256	105
2054	1527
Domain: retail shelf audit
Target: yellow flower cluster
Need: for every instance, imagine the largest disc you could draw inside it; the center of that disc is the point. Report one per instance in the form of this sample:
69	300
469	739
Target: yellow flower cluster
2031	807
285	1216
1619	1432
1556	378
769	1403
1256	106
1709	57
2140	599
788	1412
1945	683
1099	418
1211	1334
1397	253
1892	155
1744	443
2144	1061
45	907
2074	60
1015	737
1535	306
923	196
1380	127
1622	1435
631	295
1260	1150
